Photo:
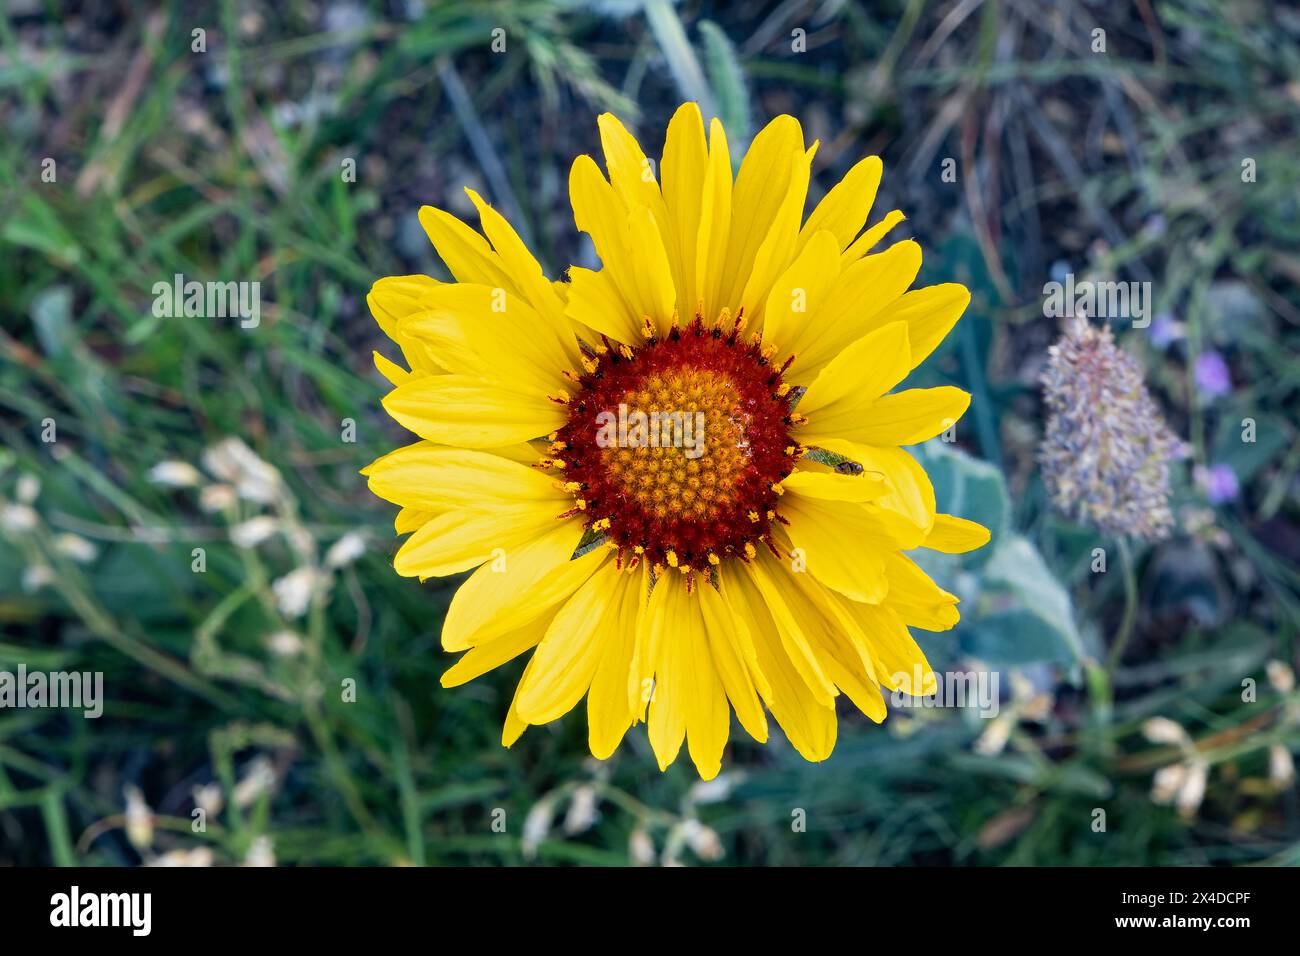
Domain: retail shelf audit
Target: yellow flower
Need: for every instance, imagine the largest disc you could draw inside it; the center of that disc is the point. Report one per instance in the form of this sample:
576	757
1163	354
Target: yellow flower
740	545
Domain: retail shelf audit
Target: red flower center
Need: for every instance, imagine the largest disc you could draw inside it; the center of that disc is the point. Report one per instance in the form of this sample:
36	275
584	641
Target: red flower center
674	449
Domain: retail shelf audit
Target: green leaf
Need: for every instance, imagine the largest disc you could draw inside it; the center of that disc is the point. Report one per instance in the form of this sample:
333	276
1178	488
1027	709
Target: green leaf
668	31
728	81
51	315
1025	614
969	488
36	226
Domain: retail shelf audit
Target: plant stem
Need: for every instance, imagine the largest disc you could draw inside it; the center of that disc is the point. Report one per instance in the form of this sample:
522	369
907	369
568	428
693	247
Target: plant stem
1130	607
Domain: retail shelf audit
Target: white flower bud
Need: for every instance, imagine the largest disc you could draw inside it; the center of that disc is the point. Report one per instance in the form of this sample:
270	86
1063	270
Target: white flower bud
293	592
175	474
1162	730
345	550
217	497
582	810
76	547
702	840
18	519
27	488
139	818
249	534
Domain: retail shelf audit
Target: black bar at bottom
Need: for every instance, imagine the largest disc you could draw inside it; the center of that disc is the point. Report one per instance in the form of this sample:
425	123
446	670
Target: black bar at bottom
334	905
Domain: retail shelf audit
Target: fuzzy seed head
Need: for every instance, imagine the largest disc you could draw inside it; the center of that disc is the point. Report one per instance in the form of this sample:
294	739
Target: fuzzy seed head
1106	451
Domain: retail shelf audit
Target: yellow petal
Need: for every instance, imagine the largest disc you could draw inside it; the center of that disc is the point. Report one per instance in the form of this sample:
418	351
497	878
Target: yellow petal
844	210
715	225
460	540
657	295
903	418
869	239
807	722
727	635
640	678
685	159
777	249
391	300
630	172
666	618
930	314
459	410
524	268
425	475
596	303
495	334
834	487
860	292
466	254
708	719
411	519
855	379
911	494
840	645
515	725
916	598
820	530
790	315
477	661
899	663
627	241
769	578
390	370
507	593
743	637
953	535
763	185
609	713
566	659
632	175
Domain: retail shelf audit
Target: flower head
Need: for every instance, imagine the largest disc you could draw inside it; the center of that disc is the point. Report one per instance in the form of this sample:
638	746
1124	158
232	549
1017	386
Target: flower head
1106	450
1212	376
679	476
1220	483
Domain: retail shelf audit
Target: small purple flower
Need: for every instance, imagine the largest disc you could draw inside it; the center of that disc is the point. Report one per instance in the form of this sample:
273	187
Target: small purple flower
1220	483
1166	330
1212	376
